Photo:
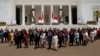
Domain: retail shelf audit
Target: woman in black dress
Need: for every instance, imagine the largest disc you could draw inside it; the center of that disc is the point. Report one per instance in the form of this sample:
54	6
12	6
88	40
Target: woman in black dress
71	38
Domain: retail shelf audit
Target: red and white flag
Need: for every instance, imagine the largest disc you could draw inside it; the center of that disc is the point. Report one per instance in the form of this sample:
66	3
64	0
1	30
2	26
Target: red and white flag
54	18
41	18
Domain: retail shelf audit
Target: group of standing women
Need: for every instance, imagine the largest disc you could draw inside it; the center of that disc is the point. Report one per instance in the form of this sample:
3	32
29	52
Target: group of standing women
52	37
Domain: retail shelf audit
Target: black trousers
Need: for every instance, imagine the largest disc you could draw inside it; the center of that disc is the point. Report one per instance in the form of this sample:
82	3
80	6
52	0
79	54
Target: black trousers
15	42
36	43
2	39
80	41
49	44
71	41
6	39
31	41
19	43
60	43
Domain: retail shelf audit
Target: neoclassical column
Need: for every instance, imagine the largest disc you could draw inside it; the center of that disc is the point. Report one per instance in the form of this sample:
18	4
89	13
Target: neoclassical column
51	21
33	14
70	15
13	12
42	11
61	19
23	14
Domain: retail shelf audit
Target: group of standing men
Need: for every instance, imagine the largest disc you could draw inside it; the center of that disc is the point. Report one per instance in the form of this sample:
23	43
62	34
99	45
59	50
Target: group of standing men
55	37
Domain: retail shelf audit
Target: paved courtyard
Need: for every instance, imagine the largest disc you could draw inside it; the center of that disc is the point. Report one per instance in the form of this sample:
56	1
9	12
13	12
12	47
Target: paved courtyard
93	49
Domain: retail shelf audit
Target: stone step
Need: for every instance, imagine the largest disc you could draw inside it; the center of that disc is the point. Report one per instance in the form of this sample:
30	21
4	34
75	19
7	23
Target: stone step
19	27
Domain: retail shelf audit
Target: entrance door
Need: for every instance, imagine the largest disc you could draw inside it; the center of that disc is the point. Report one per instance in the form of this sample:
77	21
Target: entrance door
37	13
28	19
97	16
74	14
18	16
65	14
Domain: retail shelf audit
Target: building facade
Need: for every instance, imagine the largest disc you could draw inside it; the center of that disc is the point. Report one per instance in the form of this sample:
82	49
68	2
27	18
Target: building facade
48	12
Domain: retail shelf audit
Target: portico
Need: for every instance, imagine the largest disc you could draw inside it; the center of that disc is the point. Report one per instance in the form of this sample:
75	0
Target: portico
48	12
62	12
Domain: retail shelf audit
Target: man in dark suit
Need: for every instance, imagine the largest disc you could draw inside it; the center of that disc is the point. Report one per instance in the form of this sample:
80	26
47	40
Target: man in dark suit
49	37
6	35
36	38
19	38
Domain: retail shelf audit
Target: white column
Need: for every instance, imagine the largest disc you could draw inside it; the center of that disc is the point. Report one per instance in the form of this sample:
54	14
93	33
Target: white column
33	14
79	13
51	15
13	14
23	14
13	11
70	15
42	11
61	10
61	19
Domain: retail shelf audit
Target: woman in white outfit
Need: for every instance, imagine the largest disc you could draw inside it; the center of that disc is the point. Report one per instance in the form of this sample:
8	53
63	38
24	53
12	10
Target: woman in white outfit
55	39
95	34
92	35
85	38
43	39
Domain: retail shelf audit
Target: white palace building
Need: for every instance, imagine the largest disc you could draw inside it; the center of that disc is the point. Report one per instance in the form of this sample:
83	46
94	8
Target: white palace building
50	12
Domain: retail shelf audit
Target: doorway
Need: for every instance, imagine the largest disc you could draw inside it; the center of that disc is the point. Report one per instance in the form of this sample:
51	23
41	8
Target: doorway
74	14
65	14
28	19
18	14
47	14
97	16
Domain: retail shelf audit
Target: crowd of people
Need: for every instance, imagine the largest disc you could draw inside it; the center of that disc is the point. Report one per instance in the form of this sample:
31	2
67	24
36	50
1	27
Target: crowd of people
39	38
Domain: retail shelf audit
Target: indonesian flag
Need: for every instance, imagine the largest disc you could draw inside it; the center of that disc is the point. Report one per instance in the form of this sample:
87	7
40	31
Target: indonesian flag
54	18
41	18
